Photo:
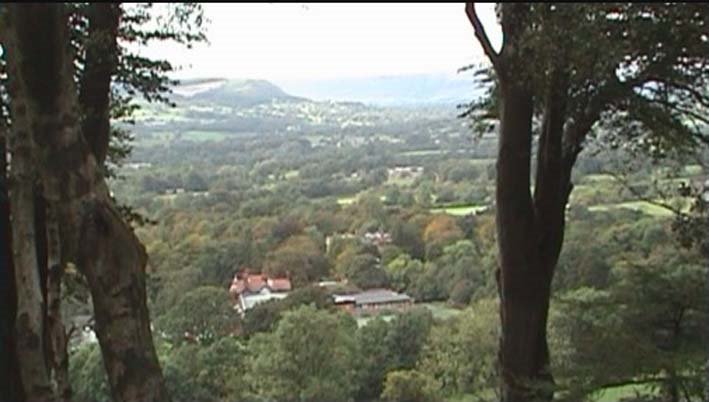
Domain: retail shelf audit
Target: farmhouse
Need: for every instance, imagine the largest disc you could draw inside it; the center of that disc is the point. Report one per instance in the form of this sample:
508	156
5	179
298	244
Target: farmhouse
377	238
247	290
373	301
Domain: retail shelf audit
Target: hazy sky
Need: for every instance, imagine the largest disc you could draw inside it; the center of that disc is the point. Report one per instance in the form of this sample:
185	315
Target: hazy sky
297	41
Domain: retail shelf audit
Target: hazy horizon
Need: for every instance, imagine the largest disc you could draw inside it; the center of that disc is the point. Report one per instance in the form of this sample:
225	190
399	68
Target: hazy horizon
297	43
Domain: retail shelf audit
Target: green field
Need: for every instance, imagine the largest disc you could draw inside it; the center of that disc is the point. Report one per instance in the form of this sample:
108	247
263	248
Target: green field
693	170
423	152
347	200
441	310
353	199
642	206
204	135
362	321
291	174
594	178
615	394
165	137
154	138
483	161
460	210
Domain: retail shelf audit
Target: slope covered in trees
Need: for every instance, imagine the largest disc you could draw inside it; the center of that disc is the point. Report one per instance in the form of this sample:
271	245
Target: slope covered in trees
239	175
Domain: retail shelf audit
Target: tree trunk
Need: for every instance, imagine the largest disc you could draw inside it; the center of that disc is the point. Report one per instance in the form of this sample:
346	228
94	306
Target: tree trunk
10	381
530	230
30	311
523	279
113	261
95	86
57	339
93	234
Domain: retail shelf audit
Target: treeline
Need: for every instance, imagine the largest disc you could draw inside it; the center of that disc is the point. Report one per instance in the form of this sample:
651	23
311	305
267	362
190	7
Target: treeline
620	316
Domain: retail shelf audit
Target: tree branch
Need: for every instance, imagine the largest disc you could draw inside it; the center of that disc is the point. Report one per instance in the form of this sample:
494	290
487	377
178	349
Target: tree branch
624	183
100	67
481	35
551	183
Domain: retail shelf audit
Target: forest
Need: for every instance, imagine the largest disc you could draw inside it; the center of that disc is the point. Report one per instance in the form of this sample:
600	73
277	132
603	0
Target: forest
553	233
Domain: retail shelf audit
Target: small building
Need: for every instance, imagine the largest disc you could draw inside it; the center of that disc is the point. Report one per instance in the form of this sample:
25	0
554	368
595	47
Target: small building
373	301
377	238
248	290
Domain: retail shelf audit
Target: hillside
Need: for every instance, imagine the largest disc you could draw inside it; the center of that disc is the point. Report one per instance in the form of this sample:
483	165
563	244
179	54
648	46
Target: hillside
215	108
400	90
243	92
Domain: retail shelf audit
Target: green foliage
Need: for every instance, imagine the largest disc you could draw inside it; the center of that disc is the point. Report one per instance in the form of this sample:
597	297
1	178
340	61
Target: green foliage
268	186
647	325
87	375
264	316
374	358
410	386
404	271
202	315
407	336
365	271
207	373
306	358
387	346
461	354
462	292
300	258
407	235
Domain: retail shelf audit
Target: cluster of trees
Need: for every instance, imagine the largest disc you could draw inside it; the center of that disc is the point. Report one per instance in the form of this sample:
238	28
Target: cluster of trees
66	71
611	296
640	72
310	354
623	310
640	330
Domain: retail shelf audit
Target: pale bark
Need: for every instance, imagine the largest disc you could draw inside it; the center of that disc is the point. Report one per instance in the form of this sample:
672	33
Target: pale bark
93	233
59	358
29	323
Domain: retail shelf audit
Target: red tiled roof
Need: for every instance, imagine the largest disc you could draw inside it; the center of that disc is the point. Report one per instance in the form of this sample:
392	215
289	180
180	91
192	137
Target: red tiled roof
256	282
279	284
237	287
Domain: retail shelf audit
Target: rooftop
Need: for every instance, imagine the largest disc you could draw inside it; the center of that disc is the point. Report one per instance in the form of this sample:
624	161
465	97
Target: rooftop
372	296
254	283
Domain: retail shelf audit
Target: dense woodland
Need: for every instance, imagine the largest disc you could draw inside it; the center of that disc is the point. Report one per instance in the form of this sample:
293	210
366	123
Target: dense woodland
553	232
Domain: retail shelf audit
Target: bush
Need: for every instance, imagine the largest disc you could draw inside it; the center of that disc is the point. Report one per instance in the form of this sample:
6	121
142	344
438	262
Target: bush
462	292
410	386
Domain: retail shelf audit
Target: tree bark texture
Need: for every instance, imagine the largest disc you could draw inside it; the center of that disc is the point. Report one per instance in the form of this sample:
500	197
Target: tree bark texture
93	233
10	381
95	86
56	333
524	278
29	324
530	227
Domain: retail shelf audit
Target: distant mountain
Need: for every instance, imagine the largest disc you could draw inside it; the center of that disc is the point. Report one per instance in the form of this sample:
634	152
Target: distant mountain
400	90
220	91
215	109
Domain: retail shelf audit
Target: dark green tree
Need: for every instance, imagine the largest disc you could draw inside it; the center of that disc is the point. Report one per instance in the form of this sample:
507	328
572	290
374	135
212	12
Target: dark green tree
306	358
638	70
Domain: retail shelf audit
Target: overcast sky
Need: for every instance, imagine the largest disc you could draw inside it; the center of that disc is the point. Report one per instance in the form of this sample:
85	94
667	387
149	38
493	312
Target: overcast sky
298	41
